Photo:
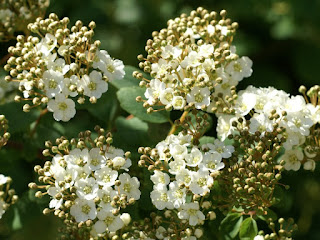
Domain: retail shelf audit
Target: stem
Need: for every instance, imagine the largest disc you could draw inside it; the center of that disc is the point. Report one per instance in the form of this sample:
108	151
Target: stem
174	126
43	112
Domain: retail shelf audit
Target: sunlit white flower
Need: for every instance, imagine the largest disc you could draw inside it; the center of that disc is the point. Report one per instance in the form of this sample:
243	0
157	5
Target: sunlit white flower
191	212
82	210
63	108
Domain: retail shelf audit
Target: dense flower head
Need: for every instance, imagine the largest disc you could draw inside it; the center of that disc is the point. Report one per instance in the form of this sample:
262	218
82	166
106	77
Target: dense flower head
87	182
193	63
60	65
266	107
15	15
7	196
183	173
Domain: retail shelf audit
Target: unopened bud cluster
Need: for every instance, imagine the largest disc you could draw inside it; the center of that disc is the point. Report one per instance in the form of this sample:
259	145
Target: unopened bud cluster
15	15
87	182
250	176
280	231
193	63
266	107
183	174
7	195
59	65
4	135
165	226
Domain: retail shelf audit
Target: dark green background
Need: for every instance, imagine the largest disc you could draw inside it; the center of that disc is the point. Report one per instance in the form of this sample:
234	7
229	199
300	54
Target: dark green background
281	37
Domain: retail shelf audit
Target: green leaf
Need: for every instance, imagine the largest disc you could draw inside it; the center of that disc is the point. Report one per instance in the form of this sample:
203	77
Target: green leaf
127	97
19	121
128	80
206	139
230	225
270	214
248	229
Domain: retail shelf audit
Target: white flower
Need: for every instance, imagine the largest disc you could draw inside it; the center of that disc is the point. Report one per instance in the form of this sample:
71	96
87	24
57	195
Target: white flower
224	126
87	188
59	65
292	159
47	44
68	82
159	197
206	50
106	176
190	211
199	96
129	186
219	147
178	102
106	195
297	122
93	84
194	158
78	157
240	68
112	68
153	92
159	177
191	60
184	176
166	96
176	166
96	161
178	151
107	221
245	102
53	83
170	52
212	161
261	123
62	108
201	182
176	194
82	210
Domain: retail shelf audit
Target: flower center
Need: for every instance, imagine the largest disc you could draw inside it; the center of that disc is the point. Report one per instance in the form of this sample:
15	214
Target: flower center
86	208
198	97
52	84
63	106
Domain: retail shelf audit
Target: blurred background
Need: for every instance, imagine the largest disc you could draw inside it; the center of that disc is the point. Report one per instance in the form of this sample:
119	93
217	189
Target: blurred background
281	37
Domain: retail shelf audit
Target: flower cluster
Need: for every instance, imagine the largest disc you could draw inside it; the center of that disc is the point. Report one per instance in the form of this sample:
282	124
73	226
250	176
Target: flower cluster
61	65
291	112
3	129
88	182
183	173
7	195
16	15
193	64
251	174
